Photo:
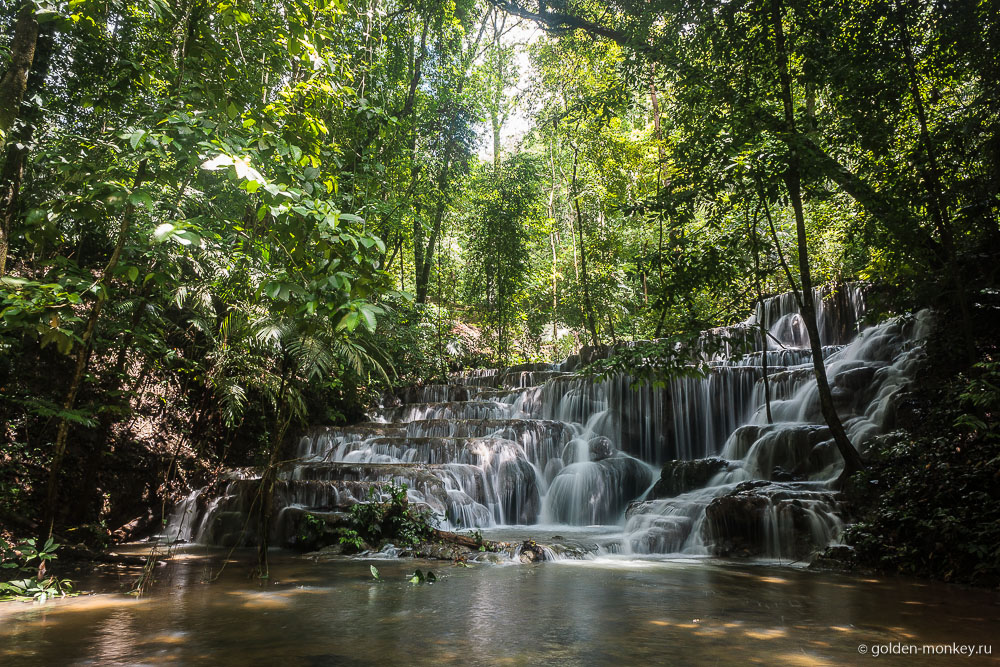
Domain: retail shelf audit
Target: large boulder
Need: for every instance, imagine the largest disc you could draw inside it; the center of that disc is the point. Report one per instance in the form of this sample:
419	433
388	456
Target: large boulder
762	519
679	477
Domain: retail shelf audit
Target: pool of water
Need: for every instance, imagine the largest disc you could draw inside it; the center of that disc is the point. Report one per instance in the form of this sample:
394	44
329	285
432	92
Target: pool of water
602	611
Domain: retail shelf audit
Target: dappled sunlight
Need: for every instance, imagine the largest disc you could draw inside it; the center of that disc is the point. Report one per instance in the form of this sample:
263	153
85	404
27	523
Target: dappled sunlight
83	604
802	660
168	638
539	614
770	633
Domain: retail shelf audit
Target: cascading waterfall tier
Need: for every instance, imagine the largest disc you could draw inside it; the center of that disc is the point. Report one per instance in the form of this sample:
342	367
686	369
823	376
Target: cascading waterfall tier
536	444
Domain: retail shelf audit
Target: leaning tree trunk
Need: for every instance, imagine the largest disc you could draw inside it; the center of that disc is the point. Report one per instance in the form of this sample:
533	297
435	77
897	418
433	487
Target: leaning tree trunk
793	180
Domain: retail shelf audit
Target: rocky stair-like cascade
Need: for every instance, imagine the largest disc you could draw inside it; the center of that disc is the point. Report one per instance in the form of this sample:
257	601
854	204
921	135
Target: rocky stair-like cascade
543	447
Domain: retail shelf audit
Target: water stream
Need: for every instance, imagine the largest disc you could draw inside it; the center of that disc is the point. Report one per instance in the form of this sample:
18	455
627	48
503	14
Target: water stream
602	611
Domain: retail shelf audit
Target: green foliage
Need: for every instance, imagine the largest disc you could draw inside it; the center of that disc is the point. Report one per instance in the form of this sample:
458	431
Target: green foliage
505	210
36	588
311	529
418	577
352	540
243	218
388	517
933	490
658	361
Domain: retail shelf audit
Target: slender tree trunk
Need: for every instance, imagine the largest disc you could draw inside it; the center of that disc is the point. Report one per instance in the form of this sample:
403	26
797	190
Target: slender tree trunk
555	291
552	242
587	306
270	477
755	238
852	459
83	351
422	268
661	151
10	182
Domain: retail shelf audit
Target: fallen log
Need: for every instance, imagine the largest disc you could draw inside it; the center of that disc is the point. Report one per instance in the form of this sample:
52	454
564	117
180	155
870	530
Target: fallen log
464	540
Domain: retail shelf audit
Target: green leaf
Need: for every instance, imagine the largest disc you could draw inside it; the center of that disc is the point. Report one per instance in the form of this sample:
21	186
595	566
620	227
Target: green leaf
133	273
374	571
232	111
348	321
136	138
368	312
140	197
187	237
272	289
163	231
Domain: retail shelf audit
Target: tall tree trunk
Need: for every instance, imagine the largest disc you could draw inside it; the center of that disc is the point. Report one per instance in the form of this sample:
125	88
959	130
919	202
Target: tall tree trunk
422	268
852	459
13	83
552	242
83	351
587	305
270	476
661	151
555	291
10	183
426	255
755	238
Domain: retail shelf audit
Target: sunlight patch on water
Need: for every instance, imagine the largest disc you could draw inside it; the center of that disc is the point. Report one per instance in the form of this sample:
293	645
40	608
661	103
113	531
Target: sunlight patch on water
801	660
768	633
167	638
83	604
627	563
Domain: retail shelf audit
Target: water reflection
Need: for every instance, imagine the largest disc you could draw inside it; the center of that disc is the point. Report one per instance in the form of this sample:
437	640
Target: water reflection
609	611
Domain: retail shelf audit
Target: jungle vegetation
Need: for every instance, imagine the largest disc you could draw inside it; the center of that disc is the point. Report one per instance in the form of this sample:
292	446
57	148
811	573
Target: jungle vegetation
223	220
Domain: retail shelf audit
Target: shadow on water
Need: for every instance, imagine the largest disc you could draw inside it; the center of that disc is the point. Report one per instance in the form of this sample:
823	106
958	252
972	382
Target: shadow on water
602	611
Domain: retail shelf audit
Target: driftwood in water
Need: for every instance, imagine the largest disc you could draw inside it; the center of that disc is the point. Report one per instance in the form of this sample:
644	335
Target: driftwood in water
464	540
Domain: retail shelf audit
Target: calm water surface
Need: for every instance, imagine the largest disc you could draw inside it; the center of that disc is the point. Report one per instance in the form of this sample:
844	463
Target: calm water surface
616	612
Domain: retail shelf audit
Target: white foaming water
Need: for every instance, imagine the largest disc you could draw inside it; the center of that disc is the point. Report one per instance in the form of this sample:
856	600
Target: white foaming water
536	445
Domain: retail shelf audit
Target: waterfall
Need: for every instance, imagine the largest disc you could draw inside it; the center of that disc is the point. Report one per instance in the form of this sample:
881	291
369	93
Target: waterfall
538	445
